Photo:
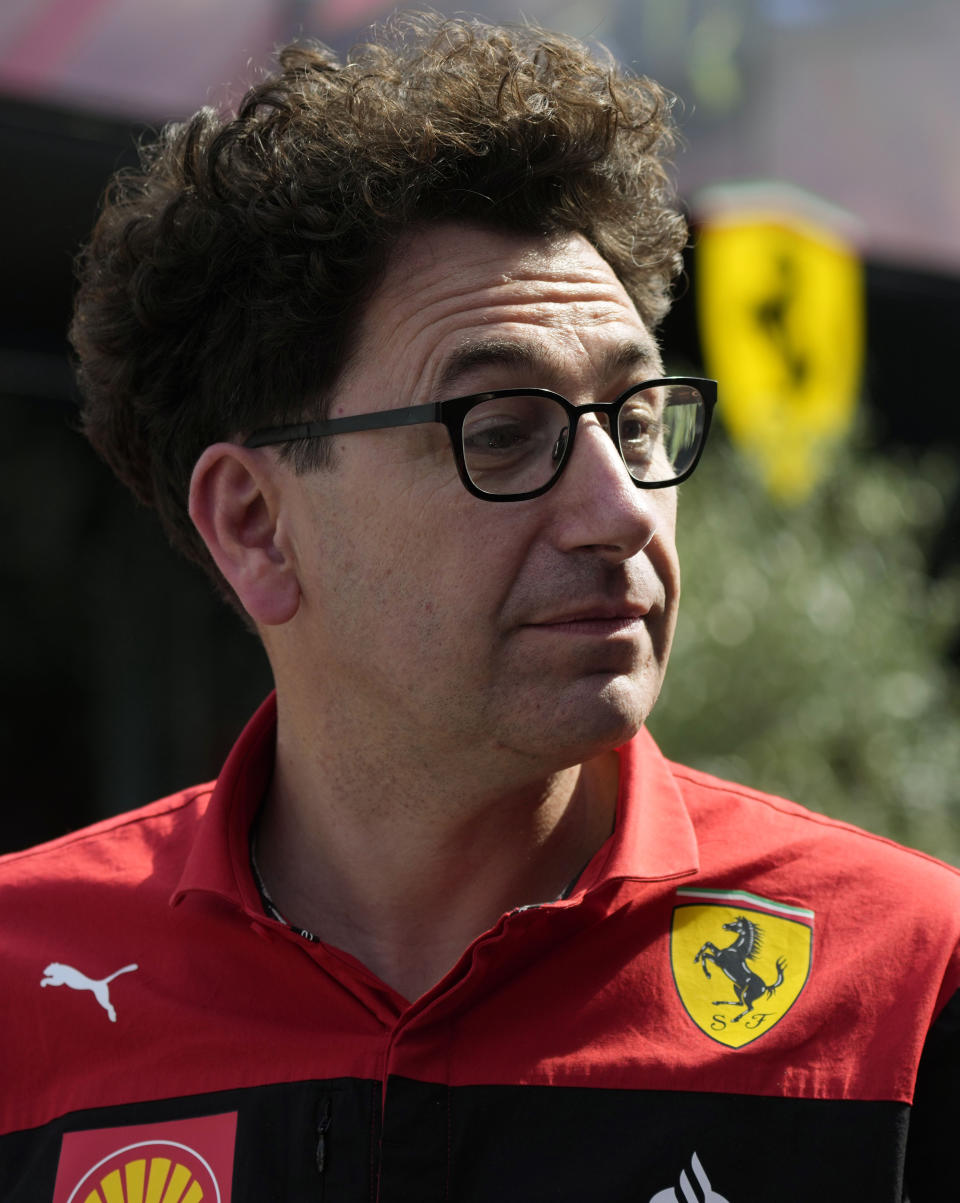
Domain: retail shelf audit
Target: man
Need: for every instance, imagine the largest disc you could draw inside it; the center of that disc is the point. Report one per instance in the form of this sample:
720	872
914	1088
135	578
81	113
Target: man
447	926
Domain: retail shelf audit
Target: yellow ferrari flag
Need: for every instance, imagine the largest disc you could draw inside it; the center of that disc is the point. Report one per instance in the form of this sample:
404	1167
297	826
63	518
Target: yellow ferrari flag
781	312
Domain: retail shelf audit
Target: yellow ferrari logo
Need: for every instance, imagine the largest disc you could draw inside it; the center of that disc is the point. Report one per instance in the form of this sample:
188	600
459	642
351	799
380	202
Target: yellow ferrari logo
739	961
781	319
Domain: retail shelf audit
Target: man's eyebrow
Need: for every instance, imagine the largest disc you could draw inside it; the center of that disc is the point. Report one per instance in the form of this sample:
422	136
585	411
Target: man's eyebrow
491	352
634	354
535	355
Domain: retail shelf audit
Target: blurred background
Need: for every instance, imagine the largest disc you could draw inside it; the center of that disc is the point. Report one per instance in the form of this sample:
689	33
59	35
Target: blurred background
819	648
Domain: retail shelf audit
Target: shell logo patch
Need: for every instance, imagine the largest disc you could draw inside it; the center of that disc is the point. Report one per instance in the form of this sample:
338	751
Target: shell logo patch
739	961
182	1161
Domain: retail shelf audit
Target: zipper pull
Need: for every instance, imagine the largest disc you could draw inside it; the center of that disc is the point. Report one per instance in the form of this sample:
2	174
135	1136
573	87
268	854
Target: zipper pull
323	1127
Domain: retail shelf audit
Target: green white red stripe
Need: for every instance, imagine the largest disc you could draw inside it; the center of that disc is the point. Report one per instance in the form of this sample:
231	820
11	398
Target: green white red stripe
745	899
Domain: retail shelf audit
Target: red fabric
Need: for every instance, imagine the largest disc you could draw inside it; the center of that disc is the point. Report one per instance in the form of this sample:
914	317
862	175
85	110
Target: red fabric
576	992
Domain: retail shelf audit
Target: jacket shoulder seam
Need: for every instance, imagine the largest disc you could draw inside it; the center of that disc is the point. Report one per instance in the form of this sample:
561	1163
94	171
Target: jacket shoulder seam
794	810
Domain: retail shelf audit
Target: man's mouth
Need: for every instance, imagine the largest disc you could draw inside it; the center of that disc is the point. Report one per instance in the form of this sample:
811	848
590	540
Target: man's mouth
598	620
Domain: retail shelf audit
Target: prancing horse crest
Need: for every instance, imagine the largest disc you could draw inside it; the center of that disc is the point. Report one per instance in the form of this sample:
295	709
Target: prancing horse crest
739	961
747	985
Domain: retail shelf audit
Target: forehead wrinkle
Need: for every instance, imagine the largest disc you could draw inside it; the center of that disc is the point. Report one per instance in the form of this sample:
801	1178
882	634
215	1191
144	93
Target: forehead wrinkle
530	279
550	296
550	312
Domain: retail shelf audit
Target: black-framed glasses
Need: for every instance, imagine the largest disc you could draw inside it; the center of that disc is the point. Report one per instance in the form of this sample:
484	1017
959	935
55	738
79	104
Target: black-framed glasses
512	444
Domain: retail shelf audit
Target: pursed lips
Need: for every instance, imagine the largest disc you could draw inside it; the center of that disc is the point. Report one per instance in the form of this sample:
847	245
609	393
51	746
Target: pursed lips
595	620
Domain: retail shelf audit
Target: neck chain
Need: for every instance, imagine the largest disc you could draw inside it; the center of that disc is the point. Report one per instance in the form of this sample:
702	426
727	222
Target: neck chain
271	908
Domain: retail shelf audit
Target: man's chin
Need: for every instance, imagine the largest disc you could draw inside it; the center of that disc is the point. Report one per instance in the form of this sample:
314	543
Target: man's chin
601	714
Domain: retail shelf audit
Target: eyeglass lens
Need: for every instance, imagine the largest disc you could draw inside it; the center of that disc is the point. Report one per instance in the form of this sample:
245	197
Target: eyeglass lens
518	444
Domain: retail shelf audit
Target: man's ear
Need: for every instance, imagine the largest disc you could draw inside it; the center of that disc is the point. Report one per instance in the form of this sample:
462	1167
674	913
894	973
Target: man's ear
235	505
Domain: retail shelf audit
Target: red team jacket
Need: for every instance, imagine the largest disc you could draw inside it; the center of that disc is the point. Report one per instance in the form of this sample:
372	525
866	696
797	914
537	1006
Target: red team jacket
740	1002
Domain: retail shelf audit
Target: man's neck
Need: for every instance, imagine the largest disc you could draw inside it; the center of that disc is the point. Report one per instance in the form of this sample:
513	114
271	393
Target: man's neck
405	870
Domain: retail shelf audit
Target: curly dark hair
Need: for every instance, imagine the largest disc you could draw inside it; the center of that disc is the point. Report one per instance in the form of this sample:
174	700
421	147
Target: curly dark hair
224	279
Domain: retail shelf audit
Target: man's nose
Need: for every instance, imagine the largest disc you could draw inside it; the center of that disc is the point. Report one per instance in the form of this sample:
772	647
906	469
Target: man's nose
598	505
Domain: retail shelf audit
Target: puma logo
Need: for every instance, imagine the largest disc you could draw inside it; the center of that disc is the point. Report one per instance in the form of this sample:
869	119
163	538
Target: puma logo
65	975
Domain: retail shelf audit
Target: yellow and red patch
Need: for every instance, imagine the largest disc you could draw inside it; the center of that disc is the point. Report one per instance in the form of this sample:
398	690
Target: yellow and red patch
181	1161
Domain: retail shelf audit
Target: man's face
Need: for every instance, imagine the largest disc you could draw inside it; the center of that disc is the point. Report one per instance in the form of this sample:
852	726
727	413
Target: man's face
436	622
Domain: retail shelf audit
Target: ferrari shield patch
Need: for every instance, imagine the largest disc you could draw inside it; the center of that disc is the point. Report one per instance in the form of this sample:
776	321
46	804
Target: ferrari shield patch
739	961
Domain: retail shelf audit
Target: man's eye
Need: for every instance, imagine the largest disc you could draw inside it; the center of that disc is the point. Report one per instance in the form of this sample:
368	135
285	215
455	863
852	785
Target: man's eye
487	438
639	430
633	429
496	438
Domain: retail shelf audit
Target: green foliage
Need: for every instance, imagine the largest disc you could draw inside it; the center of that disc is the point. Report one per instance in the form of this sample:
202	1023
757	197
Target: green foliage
811	655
